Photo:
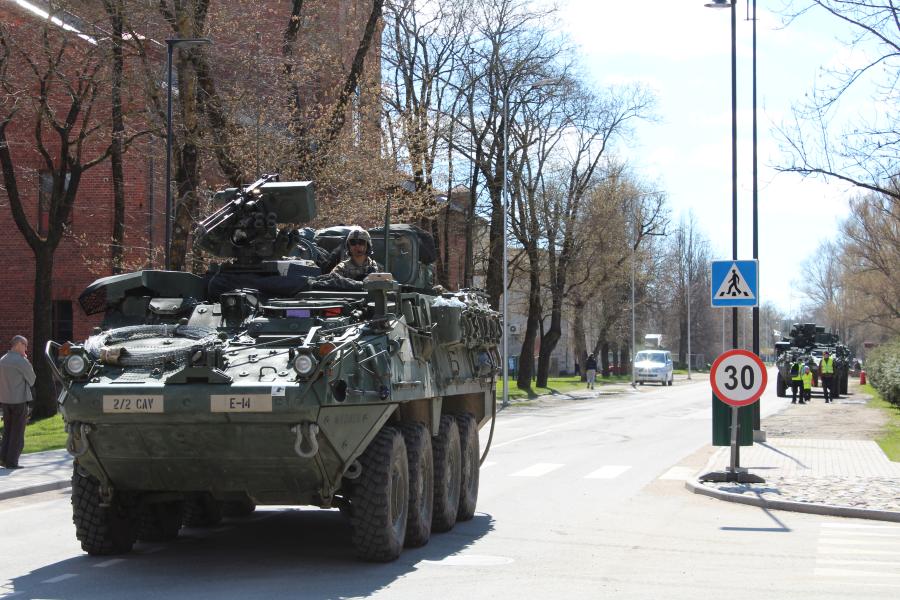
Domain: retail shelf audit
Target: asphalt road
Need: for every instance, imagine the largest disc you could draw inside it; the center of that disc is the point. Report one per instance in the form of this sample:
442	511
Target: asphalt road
579	499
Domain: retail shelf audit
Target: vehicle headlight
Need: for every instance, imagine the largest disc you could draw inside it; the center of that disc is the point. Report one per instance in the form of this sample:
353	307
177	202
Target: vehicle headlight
304	364
75	365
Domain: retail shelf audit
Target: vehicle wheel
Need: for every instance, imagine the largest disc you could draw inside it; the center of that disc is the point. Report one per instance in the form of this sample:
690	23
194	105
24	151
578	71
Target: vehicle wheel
202	510
238	508
160	522
101	530
421	484
780	387
447	474
671	379
381	498
469	467
640	383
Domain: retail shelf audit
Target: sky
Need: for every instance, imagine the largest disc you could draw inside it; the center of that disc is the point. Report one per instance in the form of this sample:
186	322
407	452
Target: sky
682	51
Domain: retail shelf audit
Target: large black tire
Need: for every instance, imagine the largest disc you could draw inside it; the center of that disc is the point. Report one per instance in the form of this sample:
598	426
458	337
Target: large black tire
421	484
160	522
780	387
381	498
102	530
469	466
202	510
447	474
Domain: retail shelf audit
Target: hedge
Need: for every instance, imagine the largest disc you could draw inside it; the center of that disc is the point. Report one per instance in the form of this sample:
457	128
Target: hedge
883	370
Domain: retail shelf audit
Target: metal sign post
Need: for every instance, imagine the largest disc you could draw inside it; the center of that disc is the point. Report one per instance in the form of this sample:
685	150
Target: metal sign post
738	378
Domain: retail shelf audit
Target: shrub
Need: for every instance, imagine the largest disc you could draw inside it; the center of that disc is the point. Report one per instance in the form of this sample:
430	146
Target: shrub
883	370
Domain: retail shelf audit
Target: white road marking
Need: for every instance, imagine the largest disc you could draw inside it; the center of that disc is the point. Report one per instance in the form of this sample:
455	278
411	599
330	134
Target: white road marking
109	563
858	526
857	563
679	473
59	578
855	573
488	463
843	550
880	534
544	432
851	542
608	472
537	470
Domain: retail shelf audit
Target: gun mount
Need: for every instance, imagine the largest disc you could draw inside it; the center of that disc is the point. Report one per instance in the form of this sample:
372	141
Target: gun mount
246	227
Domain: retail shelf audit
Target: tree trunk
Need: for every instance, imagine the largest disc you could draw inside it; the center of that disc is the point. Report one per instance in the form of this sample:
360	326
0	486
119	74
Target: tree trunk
580	346
549	341
526	356
604	356
494	278
117	250
42	331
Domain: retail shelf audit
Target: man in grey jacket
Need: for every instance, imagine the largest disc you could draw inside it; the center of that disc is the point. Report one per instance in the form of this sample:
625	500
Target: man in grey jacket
16	379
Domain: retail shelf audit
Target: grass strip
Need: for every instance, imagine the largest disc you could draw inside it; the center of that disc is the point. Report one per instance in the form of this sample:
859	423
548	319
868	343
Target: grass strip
556	385
889	440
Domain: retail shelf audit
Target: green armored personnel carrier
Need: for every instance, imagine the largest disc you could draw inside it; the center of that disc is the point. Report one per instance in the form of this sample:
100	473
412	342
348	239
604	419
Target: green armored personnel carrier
267	382
807	343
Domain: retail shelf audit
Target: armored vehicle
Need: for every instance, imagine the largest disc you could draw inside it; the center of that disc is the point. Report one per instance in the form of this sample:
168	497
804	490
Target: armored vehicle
267	382
807	343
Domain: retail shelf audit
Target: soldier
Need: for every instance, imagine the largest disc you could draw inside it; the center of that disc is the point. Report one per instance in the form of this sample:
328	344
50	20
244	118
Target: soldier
807	385
359	263
796	381
590	368
826	373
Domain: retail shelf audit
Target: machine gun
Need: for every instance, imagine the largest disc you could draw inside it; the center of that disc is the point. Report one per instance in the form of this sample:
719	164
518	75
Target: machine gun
246	227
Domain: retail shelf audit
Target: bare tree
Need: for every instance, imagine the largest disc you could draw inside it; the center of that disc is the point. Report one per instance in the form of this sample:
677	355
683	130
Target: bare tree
52	83
863	151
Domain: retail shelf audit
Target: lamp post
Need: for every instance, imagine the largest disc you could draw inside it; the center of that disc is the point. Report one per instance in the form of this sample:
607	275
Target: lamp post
170	46
505	305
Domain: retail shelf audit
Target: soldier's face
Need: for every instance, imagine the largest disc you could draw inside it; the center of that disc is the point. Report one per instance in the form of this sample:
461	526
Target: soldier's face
358	249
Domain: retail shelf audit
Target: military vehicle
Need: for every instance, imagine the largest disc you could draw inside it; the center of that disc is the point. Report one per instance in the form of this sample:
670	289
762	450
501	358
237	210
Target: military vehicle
807	343
268	383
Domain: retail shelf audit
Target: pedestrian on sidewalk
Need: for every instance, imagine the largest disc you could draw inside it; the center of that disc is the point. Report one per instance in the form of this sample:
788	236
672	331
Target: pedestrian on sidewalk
16	379
826	374
590	368
796	381
807	385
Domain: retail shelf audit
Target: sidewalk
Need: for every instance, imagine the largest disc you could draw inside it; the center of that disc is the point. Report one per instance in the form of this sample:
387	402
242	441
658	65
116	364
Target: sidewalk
40	472
841	477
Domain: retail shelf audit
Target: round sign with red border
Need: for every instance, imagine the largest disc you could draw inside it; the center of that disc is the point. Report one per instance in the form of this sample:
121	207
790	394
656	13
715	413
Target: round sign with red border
738	377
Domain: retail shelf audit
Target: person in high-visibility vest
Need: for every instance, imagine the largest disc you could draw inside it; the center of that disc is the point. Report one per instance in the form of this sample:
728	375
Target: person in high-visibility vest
826	373
807	378
796	381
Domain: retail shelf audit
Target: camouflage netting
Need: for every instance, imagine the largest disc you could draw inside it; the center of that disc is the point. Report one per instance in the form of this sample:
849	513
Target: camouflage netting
144	345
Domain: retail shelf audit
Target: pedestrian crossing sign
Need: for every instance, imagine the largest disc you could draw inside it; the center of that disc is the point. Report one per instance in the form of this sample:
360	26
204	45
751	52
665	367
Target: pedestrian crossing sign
735	283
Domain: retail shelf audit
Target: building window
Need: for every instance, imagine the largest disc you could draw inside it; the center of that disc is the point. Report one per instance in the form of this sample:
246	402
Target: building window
62	321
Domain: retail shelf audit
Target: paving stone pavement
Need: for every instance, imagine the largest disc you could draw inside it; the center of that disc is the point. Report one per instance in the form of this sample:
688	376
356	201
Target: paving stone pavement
853	474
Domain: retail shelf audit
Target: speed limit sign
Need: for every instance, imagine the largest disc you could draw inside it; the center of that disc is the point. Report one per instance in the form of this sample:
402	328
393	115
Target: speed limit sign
738	377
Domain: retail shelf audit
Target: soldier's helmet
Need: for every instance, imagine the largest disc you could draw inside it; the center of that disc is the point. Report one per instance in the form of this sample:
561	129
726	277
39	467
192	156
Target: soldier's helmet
358	233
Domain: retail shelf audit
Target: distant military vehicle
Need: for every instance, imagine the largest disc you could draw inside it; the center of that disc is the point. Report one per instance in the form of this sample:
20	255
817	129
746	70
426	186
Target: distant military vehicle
267	382
807	344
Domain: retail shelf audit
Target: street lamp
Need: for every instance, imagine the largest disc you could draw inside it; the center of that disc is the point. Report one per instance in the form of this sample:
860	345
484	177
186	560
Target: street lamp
170	46
505	307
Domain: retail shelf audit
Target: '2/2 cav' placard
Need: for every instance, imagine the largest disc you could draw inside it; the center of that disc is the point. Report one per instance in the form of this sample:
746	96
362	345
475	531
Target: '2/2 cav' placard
738	377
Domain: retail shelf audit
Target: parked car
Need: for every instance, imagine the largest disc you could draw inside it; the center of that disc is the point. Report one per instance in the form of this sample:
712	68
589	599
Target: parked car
653	365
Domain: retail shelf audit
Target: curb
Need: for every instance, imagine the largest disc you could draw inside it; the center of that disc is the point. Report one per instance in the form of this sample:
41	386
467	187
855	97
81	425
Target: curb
37	488
696	487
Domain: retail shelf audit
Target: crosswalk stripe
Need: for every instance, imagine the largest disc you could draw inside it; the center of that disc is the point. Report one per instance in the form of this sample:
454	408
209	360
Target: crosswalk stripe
852	542
855	573
856	563
860	551
858	526
608	472
537	470
877	534
59	578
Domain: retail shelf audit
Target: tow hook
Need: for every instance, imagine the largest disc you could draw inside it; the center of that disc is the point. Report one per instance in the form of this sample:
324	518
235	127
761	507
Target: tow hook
306	445
77	446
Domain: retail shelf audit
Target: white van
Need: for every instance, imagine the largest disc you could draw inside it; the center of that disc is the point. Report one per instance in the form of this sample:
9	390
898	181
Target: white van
653	365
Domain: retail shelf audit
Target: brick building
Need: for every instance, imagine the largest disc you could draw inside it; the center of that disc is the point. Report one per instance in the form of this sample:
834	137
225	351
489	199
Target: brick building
83	254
